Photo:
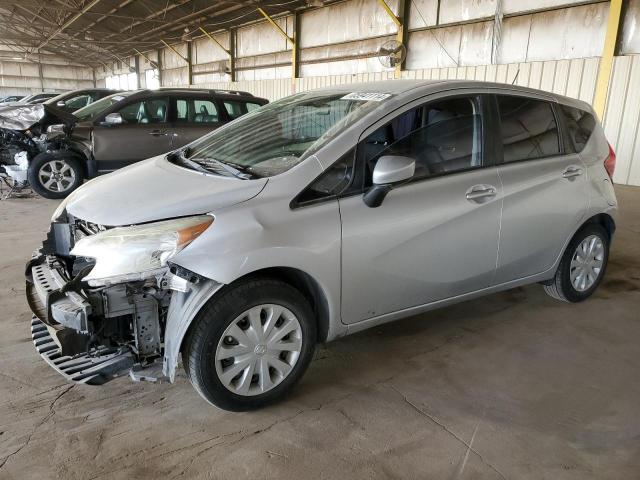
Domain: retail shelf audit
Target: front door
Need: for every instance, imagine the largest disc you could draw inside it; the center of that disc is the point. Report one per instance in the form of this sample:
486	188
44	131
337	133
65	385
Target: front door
143	134
545	195
435	237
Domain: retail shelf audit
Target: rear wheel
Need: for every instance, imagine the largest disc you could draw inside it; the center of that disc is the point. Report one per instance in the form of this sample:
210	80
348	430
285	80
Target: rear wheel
55	175
250	345
582	266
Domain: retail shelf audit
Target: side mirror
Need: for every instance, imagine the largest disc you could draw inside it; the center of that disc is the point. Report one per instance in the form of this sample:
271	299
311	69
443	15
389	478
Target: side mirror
113	119
389	171
61	104
54	131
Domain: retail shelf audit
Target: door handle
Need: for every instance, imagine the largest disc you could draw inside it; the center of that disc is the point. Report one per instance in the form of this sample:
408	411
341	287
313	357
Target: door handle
479	192
158	133
572	171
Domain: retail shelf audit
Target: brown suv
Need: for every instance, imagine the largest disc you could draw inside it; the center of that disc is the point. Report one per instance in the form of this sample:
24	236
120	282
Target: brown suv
128	127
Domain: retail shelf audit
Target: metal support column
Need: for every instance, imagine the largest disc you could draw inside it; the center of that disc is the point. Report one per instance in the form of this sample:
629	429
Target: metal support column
606	62
295	53
233	34
159	53
189	63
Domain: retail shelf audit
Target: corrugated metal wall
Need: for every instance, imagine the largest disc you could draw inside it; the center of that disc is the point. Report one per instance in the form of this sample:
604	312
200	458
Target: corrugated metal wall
575	78
22	78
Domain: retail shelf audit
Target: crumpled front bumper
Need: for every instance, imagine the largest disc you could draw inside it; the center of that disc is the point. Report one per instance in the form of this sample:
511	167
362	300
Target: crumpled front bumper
59	327
96	368
52	296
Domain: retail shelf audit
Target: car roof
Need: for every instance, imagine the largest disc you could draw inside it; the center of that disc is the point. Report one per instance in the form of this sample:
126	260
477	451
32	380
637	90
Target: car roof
402	87
228	94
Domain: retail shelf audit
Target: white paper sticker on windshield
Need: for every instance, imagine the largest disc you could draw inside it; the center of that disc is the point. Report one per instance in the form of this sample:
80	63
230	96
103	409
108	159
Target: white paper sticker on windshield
118	98
366	97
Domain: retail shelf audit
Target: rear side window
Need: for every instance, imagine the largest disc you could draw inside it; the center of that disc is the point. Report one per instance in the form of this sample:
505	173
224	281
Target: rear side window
579	125
252	106
194	110
529	128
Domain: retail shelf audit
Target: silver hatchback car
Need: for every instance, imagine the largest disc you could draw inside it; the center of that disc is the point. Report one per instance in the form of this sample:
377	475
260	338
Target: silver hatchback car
319	215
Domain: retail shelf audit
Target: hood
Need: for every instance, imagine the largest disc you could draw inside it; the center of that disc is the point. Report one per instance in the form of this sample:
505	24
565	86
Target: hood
23	117
156	190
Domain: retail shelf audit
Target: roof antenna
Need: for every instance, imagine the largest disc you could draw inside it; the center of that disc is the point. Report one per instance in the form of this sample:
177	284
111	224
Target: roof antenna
516	77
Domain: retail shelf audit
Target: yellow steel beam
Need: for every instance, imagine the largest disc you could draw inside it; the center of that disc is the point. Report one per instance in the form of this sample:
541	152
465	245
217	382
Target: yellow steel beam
214	40
292	41
606	62
276	26
399	35
387	9
151	62
175	51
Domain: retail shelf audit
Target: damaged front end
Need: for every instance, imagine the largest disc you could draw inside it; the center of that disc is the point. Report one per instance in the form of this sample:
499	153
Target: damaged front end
24	131
95	319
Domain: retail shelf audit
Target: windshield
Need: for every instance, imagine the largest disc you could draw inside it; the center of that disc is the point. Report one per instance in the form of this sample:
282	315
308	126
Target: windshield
278	136
93	110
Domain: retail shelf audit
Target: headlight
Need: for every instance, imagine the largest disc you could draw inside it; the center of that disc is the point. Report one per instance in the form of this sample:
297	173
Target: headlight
138	252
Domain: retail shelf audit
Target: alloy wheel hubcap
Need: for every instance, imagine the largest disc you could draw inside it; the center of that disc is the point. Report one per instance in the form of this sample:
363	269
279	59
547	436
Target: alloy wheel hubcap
56	176
586	263
258	349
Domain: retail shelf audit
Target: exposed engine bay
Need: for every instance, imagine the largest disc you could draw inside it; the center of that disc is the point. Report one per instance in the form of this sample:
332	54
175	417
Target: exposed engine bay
100	332
24	129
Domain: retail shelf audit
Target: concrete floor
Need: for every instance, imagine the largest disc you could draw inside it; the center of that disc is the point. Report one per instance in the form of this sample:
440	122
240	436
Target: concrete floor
515	385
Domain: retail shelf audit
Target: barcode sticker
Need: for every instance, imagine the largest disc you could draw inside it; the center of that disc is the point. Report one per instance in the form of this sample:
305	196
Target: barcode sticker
366	97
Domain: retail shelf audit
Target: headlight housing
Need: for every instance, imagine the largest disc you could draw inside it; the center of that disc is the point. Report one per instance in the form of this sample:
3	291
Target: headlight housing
137	252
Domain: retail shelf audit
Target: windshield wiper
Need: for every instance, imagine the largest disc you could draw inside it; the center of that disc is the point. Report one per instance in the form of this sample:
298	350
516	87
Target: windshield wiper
204	162
190	163
211	165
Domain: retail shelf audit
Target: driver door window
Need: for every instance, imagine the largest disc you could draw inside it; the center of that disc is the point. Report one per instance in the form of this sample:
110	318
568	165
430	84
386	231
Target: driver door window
442	137
76	103
145	111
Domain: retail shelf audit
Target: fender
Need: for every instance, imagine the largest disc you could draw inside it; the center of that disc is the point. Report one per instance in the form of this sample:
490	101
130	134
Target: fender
183	308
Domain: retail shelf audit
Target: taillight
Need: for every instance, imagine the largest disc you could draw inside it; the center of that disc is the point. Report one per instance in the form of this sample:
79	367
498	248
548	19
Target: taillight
610	163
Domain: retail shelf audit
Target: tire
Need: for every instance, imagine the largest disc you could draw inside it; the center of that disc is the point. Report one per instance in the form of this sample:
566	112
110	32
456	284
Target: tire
259	371
562	286
63	169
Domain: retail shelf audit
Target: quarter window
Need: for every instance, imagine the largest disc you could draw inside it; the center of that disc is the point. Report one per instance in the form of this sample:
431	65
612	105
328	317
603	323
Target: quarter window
332	182
579	126
442	137
190	110
528	127
145	111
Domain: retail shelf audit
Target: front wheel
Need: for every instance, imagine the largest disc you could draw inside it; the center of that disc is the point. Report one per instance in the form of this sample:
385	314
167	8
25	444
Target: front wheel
250	345
55	175
582	266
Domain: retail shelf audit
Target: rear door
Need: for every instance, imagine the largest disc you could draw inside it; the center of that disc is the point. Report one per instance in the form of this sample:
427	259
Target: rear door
144	133
193	117
545	196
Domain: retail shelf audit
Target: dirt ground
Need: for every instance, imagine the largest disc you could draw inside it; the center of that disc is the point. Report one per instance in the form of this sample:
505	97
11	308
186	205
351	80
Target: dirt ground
514	385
